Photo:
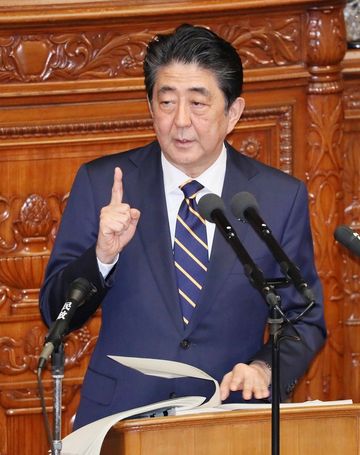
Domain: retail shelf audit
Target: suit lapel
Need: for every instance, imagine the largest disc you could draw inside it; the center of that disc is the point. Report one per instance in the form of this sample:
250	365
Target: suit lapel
154	229
223	257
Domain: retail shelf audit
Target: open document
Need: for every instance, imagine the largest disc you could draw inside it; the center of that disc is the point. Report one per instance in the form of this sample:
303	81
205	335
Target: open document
88	439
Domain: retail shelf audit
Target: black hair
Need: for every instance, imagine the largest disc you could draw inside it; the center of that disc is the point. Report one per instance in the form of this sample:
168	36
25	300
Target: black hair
194	44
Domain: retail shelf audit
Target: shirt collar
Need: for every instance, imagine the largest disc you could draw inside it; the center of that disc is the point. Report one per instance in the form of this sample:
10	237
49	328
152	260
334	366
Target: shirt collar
212	178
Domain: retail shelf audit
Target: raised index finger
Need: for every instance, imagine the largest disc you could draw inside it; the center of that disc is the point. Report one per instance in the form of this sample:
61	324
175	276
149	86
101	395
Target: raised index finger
117	188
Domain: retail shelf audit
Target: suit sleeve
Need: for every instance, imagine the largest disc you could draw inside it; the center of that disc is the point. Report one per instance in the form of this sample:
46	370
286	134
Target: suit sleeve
73	255
295	356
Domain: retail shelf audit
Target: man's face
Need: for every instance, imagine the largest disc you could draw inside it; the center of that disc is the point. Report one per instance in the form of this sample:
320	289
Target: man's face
190	119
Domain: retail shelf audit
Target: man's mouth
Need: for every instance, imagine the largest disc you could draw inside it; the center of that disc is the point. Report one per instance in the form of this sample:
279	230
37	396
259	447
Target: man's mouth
183	141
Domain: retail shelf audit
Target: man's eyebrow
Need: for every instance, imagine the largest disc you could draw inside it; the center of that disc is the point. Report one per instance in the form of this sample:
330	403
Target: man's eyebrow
166	88
202	90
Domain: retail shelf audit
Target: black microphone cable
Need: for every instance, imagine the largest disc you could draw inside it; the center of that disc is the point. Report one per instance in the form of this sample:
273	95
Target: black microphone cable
79	291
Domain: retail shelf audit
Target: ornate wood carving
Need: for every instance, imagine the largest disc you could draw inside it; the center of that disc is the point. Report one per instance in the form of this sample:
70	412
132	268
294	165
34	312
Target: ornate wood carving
68	56
265	41
324	55
71	90
69	129
352	98
326	49
112	54
18	356
30	230
351	265
283	118
281	115
20	401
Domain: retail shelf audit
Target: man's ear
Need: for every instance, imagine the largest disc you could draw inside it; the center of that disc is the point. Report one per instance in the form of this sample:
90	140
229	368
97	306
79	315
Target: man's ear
234	113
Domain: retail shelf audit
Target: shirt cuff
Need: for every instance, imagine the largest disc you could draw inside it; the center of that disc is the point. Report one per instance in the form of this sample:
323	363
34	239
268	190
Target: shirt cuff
106	268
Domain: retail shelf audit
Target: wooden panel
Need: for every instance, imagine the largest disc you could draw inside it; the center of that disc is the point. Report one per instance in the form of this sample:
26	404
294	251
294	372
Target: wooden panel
351	198
324	431
325	124
71	89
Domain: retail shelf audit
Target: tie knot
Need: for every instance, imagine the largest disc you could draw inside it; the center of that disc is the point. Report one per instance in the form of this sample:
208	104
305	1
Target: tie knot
190	189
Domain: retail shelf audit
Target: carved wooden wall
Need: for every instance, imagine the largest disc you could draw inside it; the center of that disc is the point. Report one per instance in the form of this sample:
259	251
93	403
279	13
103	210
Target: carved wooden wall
350	266
71	89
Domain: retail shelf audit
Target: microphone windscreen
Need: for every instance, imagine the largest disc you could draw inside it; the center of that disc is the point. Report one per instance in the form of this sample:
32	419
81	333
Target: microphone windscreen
208	203
80	290
343	234
347	237
241	202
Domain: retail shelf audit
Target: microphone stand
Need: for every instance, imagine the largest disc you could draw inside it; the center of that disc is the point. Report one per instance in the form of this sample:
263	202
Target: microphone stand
57	362
275	320
244	207
80	290
266	288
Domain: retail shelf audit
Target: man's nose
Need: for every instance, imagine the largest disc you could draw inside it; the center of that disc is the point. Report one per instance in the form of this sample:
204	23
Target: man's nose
182	117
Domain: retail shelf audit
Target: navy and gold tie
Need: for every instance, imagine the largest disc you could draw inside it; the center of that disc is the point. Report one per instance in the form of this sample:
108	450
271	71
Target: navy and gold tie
190	250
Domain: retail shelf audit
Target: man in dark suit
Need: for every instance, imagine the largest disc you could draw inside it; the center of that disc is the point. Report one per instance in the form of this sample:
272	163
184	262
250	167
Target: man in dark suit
119	231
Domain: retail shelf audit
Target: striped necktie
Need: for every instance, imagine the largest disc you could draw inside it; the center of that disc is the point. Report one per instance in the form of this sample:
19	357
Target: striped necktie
190	250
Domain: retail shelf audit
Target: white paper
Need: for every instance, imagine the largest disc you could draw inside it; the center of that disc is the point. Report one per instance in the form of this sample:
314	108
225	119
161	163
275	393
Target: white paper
88	440
258	406
170	369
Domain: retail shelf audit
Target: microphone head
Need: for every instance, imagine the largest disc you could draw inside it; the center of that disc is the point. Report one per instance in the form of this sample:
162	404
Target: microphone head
343	234
349	238
80	290
208	203
241	202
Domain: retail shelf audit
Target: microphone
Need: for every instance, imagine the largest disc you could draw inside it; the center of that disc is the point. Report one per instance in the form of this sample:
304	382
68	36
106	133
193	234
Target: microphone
80	290
349	238
211	207
244	207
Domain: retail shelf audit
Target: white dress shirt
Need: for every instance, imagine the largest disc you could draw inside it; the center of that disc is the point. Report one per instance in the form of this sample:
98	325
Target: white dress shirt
212	180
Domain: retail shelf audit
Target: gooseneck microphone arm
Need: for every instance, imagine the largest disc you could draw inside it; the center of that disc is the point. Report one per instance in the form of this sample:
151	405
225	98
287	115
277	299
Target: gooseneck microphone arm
79	291
245	208
211	207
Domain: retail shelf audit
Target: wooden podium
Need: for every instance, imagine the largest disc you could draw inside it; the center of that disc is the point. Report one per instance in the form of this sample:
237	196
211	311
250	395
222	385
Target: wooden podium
323	430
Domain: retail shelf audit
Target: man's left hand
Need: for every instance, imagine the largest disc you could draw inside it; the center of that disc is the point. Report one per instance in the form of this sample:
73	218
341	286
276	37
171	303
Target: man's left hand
253	380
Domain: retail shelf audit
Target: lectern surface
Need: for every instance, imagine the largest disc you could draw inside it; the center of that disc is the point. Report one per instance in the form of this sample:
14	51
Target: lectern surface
324	430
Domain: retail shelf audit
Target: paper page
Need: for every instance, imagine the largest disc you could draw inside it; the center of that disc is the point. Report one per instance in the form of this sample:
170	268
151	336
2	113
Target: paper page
258	406
88	440
170	369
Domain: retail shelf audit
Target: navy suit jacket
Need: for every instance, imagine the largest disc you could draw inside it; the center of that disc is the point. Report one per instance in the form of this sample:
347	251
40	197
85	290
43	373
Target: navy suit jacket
141	315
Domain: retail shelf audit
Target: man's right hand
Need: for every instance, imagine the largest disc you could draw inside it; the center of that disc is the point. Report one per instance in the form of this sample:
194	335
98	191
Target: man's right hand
117	223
